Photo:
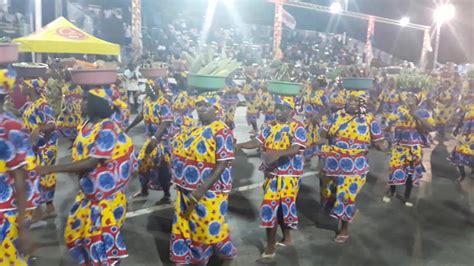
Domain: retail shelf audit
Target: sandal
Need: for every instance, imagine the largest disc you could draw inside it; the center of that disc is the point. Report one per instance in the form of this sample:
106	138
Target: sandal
387	199
282	244
341	238
266	258
140	195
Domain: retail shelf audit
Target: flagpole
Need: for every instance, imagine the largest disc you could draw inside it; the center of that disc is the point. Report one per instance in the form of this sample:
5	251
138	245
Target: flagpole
346	8
277	25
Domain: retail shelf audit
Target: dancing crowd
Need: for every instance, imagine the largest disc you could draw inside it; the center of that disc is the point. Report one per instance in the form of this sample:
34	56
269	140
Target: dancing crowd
193	155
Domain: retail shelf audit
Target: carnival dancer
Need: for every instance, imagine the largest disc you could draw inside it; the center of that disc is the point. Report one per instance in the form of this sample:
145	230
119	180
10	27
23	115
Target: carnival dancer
316	108
103	156
122	110
19	182
336	96
230	100
446	99
266	105
202	173
282	143
463	154
182	106
39	119
411	126
71	114
154	171
251	94
389	103
350	132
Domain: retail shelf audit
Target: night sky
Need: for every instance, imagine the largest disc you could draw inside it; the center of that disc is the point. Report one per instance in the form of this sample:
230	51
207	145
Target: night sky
457	38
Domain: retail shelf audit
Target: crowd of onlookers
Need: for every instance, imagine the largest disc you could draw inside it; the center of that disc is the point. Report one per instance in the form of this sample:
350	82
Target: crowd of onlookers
12	24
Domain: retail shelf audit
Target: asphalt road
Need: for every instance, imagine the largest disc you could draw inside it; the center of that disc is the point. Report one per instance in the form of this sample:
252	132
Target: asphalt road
438	230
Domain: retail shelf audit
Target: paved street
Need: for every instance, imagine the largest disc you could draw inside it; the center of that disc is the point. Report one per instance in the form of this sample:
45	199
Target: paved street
438	230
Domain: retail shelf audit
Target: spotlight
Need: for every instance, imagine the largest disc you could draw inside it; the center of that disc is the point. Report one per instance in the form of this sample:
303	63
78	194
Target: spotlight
444	13
335	7
404	21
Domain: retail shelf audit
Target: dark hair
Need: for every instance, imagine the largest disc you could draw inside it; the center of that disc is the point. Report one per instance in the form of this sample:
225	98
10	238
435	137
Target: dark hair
98	107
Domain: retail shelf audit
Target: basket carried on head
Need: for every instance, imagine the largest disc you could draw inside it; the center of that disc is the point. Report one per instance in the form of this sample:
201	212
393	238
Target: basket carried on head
358	83
93	76
30	70
8	53
205	82
154	73
284	88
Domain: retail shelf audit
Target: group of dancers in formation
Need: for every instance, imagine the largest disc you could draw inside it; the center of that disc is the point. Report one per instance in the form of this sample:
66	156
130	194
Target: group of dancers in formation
337	124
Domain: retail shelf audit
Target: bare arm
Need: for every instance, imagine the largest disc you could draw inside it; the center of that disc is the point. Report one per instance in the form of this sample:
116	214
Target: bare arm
135	122
251	144
422	124
381	145
47	128
73	167
26	244
20	176
162	129
197	194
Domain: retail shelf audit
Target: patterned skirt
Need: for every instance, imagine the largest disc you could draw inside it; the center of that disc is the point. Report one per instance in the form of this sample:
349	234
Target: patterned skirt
205	232
463	153
92	233
443	116
67	125
47	156
279	201
9	252
149	163
339	193
405	162
312	148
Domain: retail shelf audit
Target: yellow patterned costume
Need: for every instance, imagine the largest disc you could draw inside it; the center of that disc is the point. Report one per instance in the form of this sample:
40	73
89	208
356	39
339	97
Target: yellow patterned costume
314	102
92	232
35	114
408	143
463	153
71	111
149	159
195	154
282	179
252	97
345	161
15	148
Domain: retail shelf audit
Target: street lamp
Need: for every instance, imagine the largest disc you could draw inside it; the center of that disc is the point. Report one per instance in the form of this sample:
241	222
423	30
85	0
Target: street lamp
335	7
404	21
442	14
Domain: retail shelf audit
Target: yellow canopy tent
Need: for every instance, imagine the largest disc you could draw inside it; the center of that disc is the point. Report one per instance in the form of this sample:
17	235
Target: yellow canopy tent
61	36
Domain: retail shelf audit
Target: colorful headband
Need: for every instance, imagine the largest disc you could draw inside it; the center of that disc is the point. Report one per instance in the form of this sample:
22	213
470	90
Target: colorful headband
7	80
37	84
404	94
210	98
357	93
109	94
288	101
